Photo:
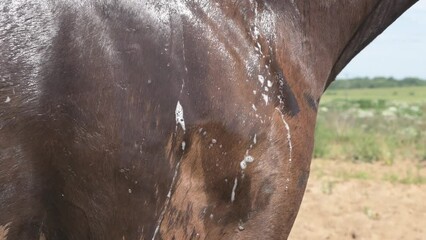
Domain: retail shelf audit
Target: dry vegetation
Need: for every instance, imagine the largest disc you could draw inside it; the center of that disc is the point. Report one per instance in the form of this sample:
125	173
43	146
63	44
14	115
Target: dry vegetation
368	178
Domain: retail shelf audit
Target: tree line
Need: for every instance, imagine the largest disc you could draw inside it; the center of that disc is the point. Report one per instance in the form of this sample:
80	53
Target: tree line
376	82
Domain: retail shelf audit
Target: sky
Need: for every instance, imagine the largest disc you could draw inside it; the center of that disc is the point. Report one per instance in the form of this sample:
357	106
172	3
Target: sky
399	52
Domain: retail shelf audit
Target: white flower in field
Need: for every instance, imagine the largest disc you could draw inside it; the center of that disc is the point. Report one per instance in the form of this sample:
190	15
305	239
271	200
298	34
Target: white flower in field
415	108
393	109
323	109
390	112
365	113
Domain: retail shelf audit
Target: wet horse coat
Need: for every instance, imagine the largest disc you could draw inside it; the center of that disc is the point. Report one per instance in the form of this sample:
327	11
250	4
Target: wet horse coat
166	119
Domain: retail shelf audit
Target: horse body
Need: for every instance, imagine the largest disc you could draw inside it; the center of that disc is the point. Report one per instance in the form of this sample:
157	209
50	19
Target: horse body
166	119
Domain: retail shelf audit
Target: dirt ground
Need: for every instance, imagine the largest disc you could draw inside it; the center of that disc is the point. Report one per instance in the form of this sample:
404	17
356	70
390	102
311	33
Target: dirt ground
346	200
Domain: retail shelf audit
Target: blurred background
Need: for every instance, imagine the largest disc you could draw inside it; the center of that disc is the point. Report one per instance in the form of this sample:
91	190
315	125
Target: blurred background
368	175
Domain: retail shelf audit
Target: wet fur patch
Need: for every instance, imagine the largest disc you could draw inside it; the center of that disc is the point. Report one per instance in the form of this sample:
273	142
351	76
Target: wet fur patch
290	105
311	102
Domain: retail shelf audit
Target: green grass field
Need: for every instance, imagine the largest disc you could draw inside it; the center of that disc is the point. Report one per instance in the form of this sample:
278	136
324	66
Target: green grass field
403	94
381	124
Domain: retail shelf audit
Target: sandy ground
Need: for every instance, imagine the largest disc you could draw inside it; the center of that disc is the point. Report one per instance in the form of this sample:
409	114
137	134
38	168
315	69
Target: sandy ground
346	200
